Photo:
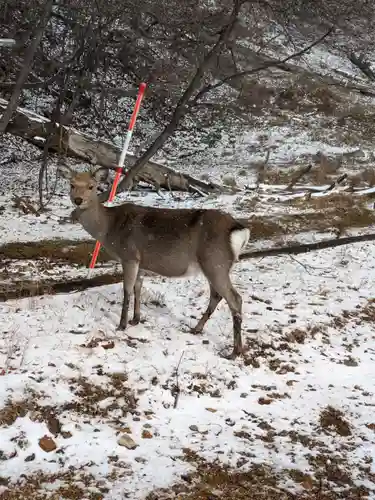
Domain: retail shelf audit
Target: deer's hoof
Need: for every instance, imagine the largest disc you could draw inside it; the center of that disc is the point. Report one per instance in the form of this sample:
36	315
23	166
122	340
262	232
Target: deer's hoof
121	328
135	321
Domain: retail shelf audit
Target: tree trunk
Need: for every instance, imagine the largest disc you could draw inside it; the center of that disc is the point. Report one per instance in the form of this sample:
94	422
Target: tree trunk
181	107
26	67
68	141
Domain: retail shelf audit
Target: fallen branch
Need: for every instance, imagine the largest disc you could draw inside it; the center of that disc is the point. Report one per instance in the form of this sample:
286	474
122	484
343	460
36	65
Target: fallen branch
176	388
306	247
301	173
338	181
70	142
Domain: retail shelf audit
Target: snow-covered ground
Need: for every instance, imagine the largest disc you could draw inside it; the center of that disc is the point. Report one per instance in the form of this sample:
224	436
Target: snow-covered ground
309	331
69	377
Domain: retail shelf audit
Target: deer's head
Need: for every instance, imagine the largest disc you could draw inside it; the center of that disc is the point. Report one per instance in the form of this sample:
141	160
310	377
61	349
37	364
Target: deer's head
83	185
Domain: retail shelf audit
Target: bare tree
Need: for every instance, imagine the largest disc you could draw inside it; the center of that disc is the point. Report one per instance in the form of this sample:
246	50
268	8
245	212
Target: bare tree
27	63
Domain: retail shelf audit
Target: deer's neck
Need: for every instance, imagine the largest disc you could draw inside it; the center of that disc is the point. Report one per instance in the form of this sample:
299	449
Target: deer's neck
94	220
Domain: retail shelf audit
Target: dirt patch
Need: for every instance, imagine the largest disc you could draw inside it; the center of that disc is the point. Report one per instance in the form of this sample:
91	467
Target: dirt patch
71	251
74	485
12	410
334	213
30	288
333	420
213	481
91	397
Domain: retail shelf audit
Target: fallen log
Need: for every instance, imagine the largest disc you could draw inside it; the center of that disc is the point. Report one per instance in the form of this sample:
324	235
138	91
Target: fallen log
34	129
306	247
30	288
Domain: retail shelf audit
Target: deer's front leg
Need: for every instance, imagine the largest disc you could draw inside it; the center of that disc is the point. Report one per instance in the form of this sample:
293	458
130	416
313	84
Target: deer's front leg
130	272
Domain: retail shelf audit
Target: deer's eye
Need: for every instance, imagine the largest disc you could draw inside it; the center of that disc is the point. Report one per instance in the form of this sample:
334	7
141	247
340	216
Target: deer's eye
72	186
91	187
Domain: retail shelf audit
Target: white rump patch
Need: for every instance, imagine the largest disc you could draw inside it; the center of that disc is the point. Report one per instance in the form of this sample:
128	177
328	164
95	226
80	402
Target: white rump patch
239	238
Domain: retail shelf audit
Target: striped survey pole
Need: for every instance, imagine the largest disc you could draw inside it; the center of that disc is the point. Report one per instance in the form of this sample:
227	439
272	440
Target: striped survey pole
119	169
7	42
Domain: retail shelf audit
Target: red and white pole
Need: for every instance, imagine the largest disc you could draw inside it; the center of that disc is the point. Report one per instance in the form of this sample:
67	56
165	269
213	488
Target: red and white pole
120	166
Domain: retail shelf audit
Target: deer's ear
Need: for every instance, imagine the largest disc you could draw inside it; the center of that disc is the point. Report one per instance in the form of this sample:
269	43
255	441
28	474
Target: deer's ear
101	174
65	171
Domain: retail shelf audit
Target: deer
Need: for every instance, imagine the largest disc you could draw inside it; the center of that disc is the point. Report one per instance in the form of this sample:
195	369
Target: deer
169	242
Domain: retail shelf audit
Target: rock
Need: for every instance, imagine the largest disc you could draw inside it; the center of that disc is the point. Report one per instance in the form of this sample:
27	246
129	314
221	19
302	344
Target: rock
47	444
53	425
30	458
66	434
264	401
350	361
146	434
127	441
109	345
212	410
194	428
140	460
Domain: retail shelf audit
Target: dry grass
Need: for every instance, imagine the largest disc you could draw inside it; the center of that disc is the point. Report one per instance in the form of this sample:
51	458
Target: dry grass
88	397
74	486
212	481
336	213
89	402
333	420
324	171
29	288
72	251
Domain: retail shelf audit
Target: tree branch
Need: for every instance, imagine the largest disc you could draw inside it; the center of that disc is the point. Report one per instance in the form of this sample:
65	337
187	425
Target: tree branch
27	63
181	107
275	62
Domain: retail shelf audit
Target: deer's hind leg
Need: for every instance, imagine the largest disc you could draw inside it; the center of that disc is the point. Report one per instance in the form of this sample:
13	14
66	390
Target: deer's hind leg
220	282
215	298
130	273
137	300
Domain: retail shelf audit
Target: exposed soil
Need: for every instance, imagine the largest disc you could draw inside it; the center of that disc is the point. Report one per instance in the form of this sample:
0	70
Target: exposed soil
58	250
212	481
29	288
333	420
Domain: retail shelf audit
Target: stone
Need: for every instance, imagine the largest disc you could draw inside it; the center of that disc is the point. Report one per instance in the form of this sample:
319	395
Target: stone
194	428
127	441
146	434
47	444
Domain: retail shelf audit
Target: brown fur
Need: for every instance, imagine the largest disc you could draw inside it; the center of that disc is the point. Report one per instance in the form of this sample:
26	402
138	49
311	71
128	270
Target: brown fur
168	242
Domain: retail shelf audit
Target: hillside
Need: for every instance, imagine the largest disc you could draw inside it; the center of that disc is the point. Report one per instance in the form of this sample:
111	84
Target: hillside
156	413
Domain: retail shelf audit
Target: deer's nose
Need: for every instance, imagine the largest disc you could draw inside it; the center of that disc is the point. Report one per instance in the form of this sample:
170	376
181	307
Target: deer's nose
78	201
